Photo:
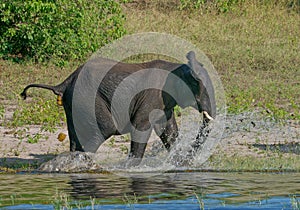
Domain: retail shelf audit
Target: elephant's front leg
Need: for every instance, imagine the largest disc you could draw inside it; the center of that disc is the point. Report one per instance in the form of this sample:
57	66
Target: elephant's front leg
168	132
139	139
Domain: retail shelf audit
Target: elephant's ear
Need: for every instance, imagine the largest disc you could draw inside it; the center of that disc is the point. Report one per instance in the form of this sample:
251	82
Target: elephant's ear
197	69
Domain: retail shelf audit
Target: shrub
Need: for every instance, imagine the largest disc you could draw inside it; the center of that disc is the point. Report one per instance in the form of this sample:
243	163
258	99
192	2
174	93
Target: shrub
57	29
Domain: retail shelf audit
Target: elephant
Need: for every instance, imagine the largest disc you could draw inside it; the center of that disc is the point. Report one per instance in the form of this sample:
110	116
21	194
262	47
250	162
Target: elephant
148	108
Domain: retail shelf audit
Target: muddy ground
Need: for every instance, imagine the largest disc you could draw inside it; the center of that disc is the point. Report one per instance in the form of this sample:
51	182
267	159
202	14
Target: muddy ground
244	134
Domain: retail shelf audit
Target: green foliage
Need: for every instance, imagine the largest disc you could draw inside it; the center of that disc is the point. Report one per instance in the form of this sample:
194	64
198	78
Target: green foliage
46	113
177	111
126	1
32	139
240	101
270	161
295	202
224	6
62	30
220	5
2	111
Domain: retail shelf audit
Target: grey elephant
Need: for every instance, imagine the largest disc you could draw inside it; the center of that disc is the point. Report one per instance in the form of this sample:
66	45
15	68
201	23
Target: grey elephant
155	88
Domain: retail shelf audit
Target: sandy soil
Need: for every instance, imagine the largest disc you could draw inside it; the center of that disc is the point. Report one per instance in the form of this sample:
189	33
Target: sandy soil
245	134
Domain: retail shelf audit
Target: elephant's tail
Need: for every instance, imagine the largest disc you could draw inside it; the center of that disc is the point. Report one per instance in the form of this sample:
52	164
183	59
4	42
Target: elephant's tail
56	89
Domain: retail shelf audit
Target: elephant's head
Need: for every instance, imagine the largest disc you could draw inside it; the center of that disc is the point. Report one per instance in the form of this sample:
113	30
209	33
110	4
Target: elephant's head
202	88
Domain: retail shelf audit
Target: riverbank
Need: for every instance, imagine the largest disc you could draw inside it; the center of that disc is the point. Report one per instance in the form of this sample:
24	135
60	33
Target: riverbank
249	143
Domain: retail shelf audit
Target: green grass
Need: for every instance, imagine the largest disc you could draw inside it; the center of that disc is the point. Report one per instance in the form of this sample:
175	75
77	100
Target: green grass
268	162
62	200
2	111
38	111
295	202
16	167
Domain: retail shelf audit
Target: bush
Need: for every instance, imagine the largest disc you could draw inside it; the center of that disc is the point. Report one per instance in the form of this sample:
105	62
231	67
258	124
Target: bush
42	30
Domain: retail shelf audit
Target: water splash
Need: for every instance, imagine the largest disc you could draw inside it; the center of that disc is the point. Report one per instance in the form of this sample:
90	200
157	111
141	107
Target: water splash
194	145
71	162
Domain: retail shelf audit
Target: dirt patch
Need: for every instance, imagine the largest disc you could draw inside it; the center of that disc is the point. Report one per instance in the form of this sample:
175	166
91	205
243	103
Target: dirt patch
244	134
250	133
29	145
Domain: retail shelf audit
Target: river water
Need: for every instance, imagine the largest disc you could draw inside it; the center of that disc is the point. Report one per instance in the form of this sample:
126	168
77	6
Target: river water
173	190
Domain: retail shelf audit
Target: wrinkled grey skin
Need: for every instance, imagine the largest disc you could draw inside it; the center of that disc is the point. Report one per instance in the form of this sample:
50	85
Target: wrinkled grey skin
193	74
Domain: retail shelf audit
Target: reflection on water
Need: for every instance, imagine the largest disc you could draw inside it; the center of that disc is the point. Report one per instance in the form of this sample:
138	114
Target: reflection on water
225	188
